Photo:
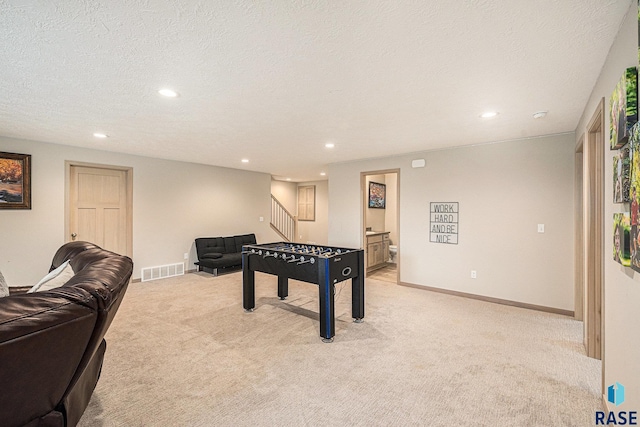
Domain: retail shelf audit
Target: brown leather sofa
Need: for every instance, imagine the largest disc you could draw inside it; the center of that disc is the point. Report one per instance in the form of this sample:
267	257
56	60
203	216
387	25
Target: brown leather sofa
52	343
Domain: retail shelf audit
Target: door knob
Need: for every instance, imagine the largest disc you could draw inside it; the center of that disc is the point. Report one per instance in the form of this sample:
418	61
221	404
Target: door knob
73	236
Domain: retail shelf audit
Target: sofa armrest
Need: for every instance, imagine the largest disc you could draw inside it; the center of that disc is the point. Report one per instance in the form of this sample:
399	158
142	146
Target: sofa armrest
17	290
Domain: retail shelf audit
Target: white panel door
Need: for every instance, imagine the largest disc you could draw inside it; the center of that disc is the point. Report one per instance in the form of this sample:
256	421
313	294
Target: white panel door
98	207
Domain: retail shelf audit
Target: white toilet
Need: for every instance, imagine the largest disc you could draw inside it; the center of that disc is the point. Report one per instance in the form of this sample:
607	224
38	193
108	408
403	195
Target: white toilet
393	251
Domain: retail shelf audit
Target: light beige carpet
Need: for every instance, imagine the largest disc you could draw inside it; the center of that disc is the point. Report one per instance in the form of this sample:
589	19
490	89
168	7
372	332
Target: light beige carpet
182	352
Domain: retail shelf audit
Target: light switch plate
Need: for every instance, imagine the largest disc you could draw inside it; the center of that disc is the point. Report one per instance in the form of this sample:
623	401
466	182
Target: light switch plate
540	228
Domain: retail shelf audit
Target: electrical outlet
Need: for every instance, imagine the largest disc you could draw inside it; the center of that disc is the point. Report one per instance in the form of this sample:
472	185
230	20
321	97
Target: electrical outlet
186	255
474	275
261	219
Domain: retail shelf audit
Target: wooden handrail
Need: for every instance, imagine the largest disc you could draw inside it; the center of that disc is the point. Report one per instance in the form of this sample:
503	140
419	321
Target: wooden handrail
282	221
282	206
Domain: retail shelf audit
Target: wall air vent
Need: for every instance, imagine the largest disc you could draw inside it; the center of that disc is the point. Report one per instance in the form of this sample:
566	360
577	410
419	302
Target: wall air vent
162	271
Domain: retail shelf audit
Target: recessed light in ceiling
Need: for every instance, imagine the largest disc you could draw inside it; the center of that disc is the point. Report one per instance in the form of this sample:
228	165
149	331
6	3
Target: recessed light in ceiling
323	173
288	179
329	145
100	135
245	160
540	114
168	93
489	114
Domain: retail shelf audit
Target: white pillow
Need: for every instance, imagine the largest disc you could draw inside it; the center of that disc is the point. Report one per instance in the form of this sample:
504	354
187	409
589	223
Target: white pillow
54	279
4	289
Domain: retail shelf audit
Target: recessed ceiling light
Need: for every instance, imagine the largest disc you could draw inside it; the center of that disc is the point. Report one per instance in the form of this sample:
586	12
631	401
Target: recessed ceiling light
168	93
329	145
100	135
540	114
288	179
323	173
245	160
489	114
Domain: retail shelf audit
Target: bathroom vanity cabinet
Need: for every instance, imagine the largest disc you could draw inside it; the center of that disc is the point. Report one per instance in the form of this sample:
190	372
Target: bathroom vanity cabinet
377	249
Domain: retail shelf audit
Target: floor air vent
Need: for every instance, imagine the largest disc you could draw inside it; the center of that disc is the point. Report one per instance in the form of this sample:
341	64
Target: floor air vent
162	271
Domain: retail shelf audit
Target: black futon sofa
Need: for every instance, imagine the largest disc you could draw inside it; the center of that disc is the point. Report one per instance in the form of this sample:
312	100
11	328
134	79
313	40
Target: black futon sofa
221	252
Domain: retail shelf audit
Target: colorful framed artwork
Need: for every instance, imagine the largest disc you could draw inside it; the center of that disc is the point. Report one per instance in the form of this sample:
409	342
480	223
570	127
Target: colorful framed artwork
634	161
15	181
621	175
377	195
634	195
622	239
624	108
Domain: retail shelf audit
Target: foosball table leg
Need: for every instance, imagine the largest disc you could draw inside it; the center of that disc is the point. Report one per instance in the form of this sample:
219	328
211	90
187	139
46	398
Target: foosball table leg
248	286
326	291
357	291
283	287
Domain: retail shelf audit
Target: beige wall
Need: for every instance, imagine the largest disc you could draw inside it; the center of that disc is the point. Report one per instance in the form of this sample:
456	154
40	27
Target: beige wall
173	203
287	194
621	285
504	190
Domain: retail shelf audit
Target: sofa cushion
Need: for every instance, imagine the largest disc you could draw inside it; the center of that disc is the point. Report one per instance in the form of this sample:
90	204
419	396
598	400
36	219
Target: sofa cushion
65	275
245	239
233	259
229	245
212	255
227	260
205	245
54	279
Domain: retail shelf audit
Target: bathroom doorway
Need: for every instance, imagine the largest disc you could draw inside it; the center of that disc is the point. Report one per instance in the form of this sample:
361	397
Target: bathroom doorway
381	224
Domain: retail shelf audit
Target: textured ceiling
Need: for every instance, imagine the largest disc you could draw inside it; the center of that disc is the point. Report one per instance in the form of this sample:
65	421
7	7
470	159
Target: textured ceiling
273	81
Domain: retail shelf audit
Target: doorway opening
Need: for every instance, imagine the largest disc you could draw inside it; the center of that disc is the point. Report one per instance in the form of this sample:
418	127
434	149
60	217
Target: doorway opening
381	224
579	233
589	238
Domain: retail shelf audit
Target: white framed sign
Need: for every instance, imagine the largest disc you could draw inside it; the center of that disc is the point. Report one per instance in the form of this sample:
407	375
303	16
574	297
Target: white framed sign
443	223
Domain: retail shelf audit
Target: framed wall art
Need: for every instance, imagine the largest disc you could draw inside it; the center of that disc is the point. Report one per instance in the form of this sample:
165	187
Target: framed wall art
377	195
624	108
15	181
622	238
622	175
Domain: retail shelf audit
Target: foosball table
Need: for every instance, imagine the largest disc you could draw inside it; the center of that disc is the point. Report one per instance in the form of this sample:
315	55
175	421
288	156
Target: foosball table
322	265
